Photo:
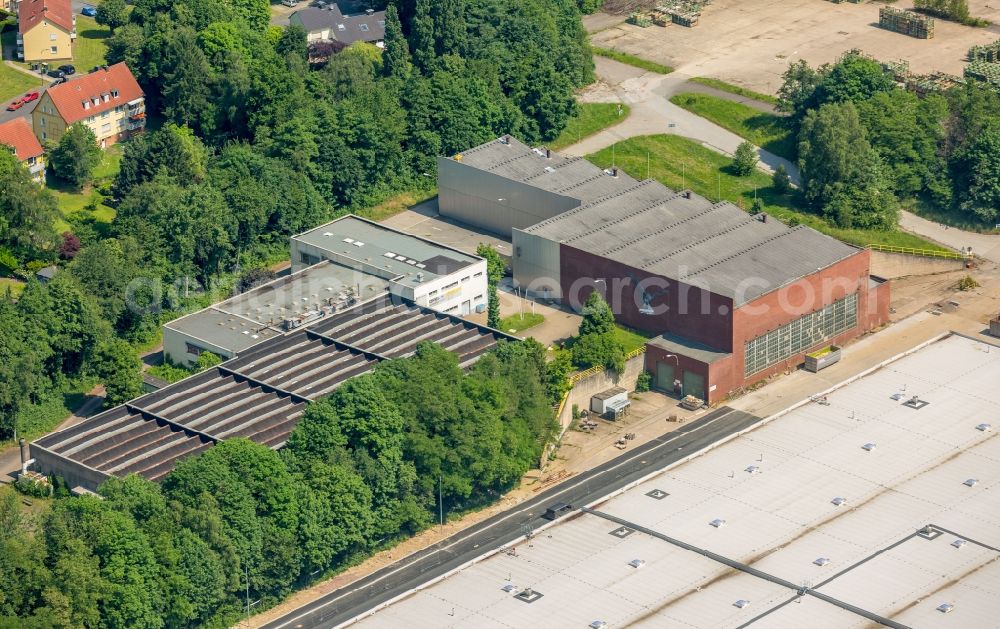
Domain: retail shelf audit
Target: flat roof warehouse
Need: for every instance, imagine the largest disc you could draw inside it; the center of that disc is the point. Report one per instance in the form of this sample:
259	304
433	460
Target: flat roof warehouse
911	545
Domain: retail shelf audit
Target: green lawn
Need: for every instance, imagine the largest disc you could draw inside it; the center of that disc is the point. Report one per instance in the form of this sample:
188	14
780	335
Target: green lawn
632	60
682	163
592	117
88	200
15	286
90	45
631	339
12	82
735	89
768	131
517	323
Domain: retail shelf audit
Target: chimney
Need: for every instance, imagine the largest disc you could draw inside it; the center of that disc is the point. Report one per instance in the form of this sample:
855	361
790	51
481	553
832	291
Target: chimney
369	11
614	172
687	194
548	153
762	218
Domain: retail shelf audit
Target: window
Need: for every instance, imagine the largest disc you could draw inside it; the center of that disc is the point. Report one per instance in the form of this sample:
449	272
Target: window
480	274
43	136
55	50
193	349
32	161
450	286
114	93
465	279
53	37
805	332
41	121
106	128
105	114
479	297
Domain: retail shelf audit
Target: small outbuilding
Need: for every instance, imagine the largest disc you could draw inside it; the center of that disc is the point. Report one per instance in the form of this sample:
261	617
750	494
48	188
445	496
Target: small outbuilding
604	402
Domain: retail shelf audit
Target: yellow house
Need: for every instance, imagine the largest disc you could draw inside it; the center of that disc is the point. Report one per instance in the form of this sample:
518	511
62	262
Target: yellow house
46	30
108	100
16	135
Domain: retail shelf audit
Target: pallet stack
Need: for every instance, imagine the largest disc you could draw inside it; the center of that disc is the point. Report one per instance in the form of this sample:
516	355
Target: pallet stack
984	71
906	22
640	19
989	52
683	12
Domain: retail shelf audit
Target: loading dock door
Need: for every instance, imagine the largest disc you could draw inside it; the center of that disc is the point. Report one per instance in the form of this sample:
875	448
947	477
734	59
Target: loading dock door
665	377
466	308
694	384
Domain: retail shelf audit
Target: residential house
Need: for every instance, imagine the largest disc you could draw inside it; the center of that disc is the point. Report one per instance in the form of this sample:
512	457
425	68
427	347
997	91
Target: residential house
17	135
108	100
329	24
46	30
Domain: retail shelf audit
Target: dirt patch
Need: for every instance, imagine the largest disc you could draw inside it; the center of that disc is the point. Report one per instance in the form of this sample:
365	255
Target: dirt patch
751	42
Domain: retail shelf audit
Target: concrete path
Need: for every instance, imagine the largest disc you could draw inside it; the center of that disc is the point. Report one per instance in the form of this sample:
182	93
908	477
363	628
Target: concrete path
983	245
648	95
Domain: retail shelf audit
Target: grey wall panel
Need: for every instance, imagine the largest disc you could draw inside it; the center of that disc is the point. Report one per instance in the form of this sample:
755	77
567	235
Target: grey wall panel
493	203
536	265
75	474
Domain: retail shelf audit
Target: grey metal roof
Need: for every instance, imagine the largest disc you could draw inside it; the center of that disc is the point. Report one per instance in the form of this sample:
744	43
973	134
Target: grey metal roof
371	243
255	316
685	347
343	28
685	237
574	177
261	394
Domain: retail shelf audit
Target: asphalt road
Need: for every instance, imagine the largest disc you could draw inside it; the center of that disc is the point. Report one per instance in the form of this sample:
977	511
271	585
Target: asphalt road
361	596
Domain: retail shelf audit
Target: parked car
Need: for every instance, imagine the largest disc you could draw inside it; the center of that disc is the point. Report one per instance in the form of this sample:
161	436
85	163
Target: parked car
30	96
89	11
59	75
68	70
289	3
15	105
58	80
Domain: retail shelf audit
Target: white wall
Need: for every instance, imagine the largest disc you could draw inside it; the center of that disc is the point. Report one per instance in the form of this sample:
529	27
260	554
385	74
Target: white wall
175	347
470	289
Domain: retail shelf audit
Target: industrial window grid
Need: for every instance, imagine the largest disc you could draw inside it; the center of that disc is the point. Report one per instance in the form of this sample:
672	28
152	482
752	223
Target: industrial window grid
801	334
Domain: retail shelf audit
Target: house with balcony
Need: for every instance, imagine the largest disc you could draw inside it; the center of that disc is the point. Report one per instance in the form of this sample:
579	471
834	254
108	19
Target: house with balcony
16	135
108	100
46	30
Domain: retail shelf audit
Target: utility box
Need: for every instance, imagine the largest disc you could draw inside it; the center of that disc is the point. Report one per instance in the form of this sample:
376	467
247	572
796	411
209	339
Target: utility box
995	326
604	401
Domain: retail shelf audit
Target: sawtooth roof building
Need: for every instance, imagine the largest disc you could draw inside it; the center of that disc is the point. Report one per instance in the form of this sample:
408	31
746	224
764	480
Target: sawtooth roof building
260	395
732	298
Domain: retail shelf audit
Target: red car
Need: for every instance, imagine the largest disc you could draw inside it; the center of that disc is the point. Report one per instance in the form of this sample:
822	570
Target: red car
14	106
30	96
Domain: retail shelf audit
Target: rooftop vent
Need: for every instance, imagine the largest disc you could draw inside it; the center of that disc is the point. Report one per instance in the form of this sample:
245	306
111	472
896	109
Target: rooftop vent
388	254
528	595
598	624
762	217
972	482
958	543
752	469
505	139
718	523
548	153
822	561
637	563
838	501
657	494
348	240
915	403
984	427
742	603
358	243
509	587
686	194
945	608
868	447
549	169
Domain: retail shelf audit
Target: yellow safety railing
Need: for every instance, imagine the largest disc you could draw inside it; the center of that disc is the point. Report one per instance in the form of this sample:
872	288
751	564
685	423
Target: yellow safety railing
580	375
912	251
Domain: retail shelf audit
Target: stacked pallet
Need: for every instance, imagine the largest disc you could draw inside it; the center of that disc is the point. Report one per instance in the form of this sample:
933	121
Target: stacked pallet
683	12
906	22
924	84
989	52
640	19
984	71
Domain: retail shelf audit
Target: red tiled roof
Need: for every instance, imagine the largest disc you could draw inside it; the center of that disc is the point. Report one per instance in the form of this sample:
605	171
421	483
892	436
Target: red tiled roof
18	133
69	97
30	14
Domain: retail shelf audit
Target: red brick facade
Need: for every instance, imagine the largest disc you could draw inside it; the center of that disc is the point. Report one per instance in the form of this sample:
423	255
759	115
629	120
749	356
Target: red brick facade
698	315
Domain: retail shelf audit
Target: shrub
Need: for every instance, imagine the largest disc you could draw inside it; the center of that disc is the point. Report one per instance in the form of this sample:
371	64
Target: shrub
643	382
34	485
745	159
967	283
780	180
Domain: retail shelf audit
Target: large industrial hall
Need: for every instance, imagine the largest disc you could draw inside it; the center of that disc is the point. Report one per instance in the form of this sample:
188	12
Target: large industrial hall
875	504
731	298
260	395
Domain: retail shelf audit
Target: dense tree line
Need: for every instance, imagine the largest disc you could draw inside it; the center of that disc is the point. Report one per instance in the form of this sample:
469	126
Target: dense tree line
362	468
865	143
